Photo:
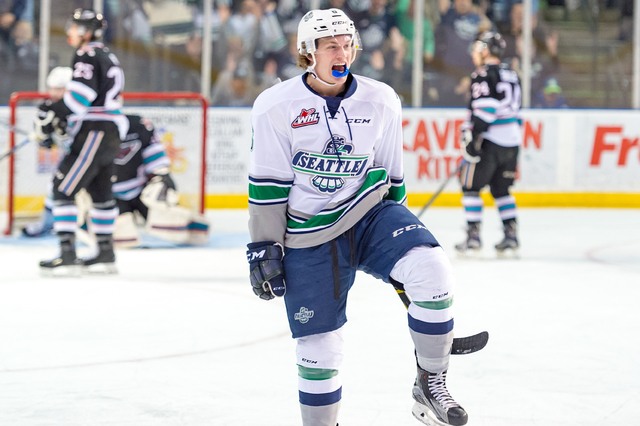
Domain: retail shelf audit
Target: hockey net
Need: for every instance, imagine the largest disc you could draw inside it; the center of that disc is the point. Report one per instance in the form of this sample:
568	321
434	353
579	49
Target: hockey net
180	119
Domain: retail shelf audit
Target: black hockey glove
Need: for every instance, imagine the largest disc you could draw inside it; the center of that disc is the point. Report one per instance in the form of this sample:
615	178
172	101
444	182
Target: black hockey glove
471	147
266	270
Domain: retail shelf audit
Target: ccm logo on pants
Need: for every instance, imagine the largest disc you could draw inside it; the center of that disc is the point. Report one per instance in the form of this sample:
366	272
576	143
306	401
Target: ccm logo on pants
407	229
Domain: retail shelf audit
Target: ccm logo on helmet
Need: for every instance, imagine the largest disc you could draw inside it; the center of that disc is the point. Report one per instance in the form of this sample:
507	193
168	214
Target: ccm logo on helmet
407	229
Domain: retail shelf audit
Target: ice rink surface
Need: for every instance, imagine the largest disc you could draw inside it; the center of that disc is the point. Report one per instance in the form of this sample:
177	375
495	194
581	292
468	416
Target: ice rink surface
178	338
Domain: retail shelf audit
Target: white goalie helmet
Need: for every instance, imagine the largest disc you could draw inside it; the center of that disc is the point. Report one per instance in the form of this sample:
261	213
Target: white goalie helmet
317	24
59	77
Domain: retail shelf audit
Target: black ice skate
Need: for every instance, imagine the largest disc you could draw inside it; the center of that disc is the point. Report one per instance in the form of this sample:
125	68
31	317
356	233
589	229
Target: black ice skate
434	406
66	263
472	245
509	244
104	261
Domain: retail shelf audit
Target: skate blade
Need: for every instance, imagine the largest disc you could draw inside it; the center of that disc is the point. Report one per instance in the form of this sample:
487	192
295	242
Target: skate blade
61	271
426	416
508	254
101	269
470	253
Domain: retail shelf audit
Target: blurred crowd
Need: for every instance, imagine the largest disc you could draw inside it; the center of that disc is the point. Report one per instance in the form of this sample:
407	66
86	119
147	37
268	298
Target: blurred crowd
18	50
253	44
256	44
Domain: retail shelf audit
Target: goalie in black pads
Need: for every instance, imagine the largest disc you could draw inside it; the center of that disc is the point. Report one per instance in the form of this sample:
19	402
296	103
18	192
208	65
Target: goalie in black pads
490	141
145	191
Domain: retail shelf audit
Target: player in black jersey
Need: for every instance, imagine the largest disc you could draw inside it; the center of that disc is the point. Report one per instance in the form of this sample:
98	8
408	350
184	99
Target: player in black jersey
491	141
92	103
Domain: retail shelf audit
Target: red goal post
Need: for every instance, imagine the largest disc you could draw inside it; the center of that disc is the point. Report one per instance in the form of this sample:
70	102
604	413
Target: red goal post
180	119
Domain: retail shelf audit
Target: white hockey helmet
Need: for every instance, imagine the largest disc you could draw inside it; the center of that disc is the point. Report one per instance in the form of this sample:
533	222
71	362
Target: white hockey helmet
317	24
59	77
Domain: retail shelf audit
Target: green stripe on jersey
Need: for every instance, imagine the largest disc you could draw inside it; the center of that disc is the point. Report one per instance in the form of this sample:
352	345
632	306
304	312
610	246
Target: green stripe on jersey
266	193
397	193
374	177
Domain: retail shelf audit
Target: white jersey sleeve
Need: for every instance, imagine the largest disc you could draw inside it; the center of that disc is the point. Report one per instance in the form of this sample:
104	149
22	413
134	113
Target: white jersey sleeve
270	173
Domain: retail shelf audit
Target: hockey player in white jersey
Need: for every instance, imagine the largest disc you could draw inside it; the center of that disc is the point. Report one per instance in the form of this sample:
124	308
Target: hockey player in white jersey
491	140
326	199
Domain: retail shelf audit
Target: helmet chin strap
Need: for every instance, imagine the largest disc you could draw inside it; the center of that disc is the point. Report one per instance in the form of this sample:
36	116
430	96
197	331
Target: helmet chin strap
312	71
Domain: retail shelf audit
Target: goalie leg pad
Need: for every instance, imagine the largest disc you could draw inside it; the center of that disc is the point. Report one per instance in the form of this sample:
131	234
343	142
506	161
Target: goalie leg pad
177	224
126	233
198	230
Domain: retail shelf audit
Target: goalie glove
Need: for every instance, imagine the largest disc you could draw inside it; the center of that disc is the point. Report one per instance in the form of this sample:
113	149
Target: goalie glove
471	147
266	272
48	127
43	127
160	191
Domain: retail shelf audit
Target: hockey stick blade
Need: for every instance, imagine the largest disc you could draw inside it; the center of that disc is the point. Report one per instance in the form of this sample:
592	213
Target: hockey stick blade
469	344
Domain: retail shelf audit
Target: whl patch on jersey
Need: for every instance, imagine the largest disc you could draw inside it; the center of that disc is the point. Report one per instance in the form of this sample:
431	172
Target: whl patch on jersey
307	117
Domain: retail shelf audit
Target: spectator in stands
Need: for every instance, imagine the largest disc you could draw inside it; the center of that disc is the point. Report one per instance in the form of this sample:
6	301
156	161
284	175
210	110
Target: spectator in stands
454	35
219	27
404	21
268	76
272	41
544	49
499	11
289	68
542	67
626	20
244	23
343	5
18	50
135	22
382	58
235	86
551	96
545	39
10	12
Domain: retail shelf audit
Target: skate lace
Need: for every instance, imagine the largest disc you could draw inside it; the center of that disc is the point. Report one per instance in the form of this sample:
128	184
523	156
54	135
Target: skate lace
438	388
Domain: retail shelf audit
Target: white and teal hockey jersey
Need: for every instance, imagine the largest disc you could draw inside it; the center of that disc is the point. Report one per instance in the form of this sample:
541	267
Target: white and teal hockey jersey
318	164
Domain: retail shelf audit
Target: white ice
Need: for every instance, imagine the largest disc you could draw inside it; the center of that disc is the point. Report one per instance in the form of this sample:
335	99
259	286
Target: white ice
178	338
